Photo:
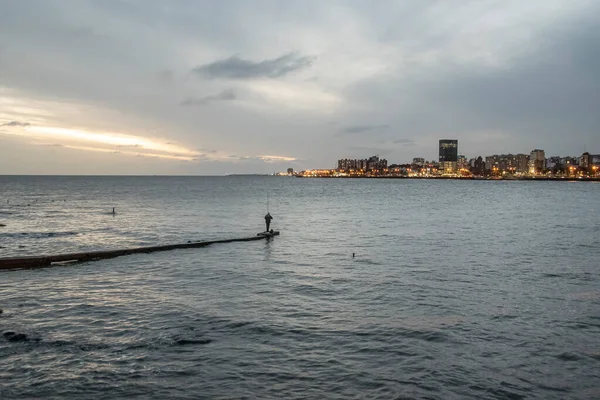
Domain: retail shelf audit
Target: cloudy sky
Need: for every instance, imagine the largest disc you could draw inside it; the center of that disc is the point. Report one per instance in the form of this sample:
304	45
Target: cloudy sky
215	87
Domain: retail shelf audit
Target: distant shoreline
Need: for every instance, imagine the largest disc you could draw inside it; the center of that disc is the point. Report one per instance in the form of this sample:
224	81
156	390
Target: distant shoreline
528	179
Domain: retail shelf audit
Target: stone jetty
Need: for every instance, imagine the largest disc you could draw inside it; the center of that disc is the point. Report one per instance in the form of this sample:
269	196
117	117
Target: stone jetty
50	260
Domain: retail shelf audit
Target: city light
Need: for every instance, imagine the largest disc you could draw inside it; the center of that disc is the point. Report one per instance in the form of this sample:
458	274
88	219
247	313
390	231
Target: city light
453	165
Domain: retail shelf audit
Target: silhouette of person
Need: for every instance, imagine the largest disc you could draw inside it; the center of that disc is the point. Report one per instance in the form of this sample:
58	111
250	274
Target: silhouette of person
268	219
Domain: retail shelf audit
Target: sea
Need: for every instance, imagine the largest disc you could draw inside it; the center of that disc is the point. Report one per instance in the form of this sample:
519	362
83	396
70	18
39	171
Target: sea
375	289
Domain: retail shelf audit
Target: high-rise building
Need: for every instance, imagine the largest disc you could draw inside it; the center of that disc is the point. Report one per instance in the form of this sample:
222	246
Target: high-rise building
420	161
375	163
448	155
462	162
478	166
553	162
537	161
522	163
584	161
507	163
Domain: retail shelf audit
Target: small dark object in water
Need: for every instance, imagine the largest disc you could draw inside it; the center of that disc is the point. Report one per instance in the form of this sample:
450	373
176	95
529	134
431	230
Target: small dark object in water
16	337
352	255
192	341
1	225
1	311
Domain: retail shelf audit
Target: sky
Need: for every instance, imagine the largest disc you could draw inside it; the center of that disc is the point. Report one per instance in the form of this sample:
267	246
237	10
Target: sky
187	87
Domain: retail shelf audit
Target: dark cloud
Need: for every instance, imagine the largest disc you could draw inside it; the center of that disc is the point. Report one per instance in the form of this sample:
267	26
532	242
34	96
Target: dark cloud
238	68
363	129
16	123
225	95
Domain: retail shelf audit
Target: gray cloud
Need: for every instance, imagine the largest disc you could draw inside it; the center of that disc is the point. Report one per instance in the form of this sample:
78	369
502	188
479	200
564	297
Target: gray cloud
16	123
405	142
165	76
207	151
238	68
367	151
51	145
363	129
225	95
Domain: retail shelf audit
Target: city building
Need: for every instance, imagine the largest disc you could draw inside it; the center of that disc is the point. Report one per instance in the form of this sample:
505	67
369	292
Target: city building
373	163
420	161
552	162
477	166
462	163
569	161
448	155
522	164
537	162
585	161
502	164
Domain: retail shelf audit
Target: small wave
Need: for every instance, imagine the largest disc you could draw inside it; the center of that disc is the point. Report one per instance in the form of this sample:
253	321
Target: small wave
428	336
313	290
37	235
588	296
367	261
236	325
182	342
550	275
505	316
80	346
566	356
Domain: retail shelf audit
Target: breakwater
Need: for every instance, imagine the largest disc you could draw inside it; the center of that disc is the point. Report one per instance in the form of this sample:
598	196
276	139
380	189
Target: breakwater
49	260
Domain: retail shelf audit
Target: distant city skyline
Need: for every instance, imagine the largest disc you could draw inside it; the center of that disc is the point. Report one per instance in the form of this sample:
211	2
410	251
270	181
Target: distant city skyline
449	151
451	164
210	88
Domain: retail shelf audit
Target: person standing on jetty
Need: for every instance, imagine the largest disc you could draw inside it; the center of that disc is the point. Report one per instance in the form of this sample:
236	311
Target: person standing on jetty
268	219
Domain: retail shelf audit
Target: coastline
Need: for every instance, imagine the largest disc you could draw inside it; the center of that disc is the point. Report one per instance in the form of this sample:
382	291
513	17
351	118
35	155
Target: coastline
469	178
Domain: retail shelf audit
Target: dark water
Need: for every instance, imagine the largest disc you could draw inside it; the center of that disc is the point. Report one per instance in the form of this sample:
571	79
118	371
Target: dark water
482	290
